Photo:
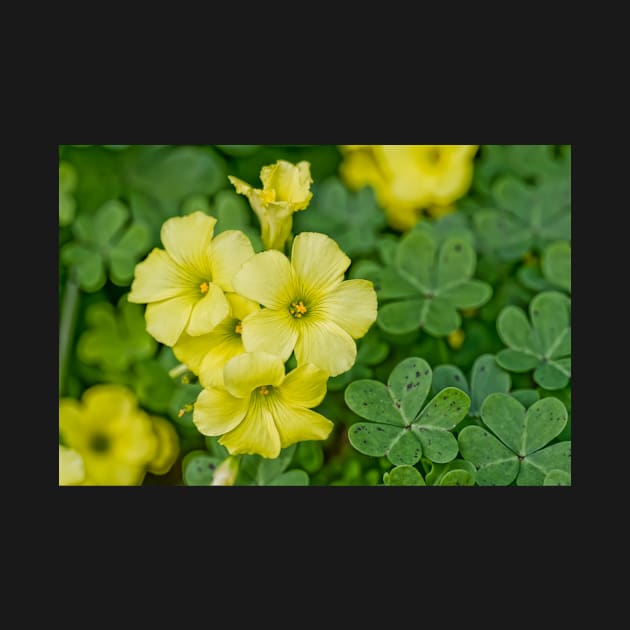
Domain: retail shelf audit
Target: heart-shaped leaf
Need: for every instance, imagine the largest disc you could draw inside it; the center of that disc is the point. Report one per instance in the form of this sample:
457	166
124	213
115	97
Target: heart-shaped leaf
557	478
459	472
404	475
527	217
198	468
353	220
429	281
556	264
400	428
260	471
544	345
516	448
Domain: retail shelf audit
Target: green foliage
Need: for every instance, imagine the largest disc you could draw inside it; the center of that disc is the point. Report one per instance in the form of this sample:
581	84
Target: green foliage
544	345
354	220
108	240
399	427
425	284
515	447
481	294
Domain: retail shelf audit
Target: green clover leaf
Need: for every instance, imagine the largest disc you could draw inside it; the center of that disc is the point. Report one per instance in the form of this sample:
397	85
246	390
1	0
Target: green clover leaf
352	219
459	472
426	284
399	427
106	239
67	185
516	446
525	217
403	475
198	468
486	377
544	345
115	337
556	264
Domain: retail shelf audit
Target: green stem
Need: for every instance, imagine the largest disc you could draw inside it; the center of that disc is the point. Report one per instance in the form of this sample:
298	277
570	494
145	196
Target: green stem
178	370
443	350
67	321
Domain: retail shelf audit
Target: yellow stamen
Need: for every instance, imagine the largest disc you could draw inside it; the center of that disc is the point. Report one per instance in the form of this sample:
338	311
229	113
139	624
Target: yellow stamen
180	413
185	409
268	196
185	379
456	339
298	309
239	329
204	287
264	390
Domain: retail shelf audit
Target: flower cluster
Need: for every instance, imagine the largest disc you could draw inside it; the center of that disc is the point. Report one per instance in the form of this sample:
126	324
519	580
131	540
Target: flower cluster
234	317
410	179
108	440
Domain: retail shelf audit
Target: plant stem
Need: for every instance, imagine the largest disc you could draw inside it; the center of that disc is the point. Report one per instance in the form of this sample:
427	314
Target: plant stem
178	370
67	321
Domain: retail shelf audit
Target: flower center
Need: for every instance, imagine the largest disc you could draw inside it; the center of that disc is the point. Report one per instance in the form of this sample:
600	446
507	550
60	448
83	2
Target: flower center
204	287
264	390
99	443
433	156
297	309
239	328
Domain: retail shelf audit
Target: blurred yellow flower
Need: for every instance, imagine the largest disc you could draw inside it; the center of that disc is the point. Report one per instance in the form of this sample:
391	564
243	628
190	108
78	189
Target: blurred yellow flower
286	189
309	305
206	355
112	435
167	449
71	467
183	285
408	179
261	410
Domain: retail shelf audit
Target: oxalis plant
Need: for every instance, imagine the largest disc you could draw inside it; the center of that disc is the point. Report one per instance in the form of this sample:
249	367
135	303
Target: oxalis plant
247	326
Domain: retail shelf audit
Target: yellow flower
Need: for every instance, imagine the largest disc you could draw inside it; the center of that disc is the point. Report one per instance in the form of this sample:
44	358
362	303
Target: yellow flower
183	285
408	179
112	435
206	355
309	306
167	446
262	410
286	189
71	467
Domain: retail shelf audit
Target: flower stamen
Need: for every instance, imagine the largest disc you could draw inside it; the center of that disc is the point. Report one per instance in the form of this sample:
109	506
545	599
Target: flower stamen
204	287
264	390
239	329
298	309
268	196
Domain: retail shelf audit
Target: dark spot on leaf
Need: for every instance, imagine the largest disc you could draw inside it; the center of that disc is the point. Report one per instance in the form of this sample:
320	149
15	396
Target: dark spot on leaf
409	386
397	405
211	466
380	429
458	248
482	368
457	377
426	372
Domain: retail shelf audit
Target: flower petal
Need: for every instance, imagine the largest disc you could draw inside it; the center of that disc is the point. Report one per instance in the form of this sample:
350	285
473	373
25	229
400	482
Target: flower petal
216	411
256	434
268	279
250	370
296	424
71	467
224	349
241	307
270	331
326	345
209	311
228	252
159	278
192	350
167	320
318	262
70	421
187	239
305	386
291	182
352	305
